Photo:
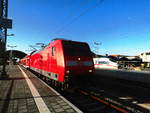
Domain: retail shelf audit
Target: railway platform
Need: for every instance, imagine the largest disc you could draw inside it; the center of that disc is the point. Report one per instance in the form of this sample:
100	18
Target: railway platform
22	92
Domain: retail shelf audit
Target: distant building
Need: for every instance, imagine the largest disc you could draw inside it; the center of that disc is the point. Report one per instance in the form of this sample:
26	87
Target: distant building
145	57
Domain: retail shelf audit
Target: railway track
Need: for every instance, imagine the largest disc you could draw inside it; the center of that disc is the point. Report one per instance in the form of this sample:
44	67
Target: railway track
137	96
88	104
112	101
84	101
92	99
95	100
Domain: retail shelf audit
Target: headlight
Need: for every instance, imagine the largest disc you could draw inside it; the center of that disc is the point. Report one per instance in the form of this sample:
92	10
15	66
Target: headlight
68	71
90	71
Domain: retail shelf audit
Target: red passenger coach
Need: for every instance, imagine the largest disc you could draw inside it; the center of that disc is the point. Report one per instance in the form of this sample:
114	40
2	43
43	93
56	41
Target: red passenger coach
62	60
25	61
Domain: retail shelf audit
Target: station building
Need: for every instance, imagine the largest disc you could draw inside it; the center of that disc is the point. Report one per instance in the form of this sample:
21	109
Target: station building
145	58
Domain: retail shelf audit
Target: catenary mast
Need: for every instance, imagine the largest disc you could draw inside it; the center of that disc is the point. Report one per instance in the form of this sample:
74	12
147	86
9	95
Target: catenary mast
5	23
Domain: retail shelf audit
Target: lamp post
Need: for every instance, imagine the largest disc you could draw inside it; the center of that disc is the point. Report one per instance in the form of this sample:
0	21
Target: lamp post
11	54
97	44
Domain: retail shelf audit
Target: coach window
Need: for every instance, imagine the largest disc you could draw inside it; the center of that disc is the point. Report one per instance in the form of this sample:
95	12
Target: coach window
53	51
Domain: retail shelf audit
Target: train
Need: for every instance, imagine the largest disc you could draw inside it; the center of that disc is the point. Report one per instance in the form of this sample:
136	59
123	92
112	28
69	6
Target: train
104	63
61	61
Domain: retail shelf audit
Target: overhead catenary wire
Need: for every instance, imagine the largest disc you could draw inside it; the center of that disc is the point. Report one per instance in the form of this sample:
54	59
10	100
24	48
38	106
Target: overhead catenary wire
71	14
81	6
80	15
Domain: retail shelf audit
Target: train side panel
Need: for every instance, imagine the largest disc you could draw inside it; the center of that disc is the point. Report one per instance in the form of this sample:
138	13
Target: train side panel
56	61
63	59
49	62
60	61
25	61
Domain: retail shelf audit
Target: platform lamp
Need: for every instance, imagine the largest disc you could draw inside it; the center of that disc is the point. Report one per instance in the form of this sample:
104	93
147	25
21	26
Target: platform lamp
11	54
3	50
97	48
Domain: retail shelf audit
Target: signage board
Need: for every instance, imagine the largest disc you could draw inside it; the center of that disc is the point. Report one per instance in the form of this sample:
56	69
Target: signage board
6	23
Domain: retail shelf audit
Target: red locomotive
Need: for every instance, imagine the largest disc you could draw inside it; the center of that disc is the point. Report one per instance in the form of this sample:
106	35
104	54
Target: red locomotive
61	60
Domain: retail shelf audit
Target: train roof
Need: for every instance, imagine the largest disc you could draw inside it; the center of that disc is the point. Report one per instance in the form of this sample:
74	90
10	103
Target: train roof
66	40
57	39
60	39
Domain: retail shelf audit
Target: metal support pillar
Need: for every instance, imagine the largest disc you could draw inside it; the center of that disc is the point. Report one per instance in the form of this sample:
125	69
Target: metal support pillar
3	28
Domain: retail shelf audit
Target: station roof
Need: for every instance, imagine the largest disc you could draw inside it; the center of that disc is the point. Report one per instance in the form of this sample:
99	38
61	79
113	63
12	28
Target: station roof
16	53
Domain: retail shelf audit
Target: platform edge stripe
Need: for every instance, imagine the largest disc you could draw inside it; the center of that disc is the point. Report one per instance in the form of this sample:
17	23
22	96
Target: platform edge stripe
144	106
42	107
73	106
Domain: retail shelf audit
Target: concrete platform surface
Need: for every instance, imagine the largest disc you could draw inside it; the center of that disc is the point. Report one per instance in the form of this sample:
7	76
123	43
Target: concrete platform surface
22	92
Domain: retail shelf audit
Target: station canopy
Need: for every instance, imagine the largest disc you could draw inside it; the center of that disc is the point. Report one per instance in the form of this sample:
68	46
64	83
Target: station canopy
16	54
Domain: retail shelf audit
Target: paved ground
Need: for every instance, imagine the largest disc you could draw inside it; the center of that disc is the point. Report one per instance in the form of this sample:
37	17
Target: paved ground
17	97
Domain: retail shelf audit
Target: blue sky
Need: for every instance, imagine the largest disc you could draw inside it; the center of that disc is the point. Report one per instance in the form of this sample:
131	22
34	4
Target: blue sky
121	26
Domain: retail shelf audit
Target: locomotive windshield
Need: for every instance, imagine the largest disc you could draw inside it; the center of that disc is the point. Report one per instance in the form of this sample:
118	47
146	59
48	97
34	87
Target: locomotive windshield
76	49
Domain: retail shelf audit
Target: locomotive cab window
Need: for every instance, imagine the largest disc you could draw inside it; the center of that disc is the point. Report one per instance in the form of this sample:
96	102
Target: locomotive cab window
53	51
76	49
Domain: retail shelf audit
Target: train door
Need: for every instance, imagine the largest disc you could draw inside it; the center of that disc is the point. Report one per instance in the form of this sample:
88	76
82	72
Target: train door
48	61
41	64
53	60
